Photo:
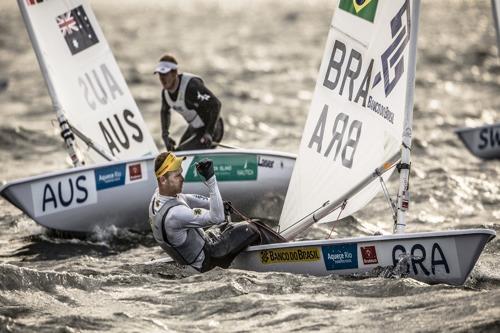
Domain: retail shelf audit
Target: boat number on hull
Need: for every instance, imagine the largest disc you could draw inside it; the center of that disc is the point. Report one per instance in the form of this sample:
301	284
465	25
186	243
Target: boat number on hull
63	193
489	138
419	262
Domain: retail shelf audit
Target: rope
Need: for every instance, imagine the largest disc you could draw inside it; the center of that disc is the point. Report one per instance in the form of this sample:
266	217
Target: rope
240	214
341	210
392	206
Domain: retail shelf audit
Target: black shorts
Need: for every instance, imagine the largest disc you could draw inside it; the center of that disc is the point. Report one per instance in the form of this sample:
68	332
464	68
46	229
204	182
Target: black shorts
231	242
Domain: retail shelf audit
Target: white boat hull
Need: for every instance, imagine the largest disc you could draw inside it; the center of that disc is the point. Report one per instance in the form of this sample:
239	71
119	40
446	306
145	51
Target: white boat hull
434	257
118	193
483	142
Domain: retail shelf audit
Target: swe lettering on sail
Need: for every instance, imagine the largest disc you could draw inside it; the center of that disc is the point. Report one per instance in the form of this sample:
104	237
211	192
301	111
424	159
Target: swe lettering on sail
341	138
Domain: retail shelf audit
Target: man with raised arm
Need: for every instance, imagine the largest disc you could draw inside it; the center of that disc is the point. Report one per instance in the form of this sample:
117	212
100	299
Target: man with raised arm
177	219
187	94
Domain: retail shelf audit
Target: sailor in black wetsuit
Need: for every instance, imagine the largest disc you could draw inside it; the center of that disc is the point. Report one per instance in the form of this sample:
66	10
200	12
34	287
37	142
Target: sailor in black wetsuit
187	94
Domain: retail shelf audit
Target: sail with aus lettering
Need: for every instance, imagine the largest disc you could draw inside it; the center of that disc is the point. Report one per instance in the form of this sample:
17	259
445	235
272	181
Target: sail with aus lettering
87	88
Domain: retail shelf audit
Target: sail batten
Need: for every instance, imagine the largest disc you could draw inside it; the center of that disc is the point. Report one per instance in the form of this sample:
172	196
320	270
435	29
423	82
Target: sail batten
355	121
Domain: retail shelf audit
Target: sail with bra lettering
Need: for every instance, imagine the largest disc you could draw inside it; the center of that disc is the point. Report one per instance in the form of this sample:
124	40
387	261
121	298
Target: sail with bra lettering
355	121
84	79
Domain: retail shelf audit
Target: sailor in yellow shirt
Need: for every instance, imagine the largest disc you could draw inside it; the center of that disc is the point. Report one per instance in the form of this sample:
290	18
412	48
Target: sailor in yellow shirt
178	219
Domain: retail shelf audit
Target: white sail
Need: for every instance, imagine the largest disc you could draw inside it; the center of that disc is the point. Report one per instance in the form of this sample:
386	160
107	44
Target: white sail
495	8
355	121
83	77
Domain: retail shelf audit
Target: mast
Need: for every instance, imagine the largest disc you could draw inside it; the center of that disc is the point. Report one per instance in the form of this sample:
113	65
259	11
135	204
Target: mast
404	180
66	133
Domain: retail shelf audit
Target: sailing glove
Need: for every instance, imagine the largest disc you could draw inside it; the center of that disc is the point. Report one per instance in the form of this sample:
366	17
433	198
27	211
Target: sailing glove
170	144
206	139
205	169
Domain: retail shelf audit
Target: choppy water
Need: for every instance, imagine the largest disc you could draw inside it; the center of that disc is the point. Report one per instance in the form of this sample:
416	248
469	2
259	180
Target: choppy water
261	58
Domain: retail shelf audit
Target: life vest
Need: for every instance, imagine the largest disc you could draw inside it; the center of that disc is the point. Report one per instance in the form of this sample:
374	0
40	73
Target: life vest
187	252
179	105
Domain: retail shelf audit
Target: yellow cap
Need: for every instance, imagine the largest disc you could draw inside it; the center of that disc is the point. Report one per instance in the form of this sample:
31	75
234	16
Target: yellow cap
171	163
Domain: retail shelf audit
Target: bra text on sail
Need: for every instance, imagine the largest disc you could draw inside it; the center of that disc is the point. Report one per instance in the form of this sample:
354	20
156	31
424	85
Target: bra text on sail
338	133
349	78
336	73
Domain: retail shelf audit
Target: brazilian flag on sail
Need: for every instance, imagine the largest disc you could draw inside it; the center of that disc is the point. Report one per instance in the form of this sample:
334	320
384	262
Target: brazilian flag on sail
364	9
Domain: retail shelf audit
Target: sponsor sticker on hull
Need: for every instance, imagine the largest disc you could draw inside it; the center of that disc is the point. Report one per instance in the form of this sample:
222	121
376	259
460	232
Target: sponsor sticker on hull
242	167
292	255
33	2
58	194
111	176
340	256
369	254
136	172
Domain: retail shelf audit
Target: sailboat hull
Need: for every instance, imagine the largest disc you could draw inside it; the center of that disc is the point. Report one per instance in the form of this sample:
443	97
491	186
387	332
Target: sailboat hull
432	257
118	193
482	142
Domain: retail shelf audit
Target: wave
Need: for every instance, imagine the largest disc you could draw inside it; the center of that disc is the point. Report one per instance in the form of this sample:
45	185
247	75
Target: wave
22	140
103	242
26	279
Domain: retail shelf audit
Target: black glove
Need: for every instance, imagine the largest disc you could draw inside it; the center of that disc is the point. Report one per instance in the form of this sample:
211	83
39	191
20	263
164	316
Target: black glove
205	168
206	139
170	144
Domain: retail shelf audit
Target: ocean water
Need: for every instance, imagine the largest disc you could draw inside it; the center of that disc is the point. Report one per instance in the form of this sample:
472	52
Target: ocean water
261	58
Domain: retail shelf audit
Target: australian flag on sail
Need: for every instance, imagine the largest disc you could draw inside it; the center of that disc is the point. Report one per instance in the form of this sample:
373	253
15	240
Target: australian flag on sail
33	2
76	29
